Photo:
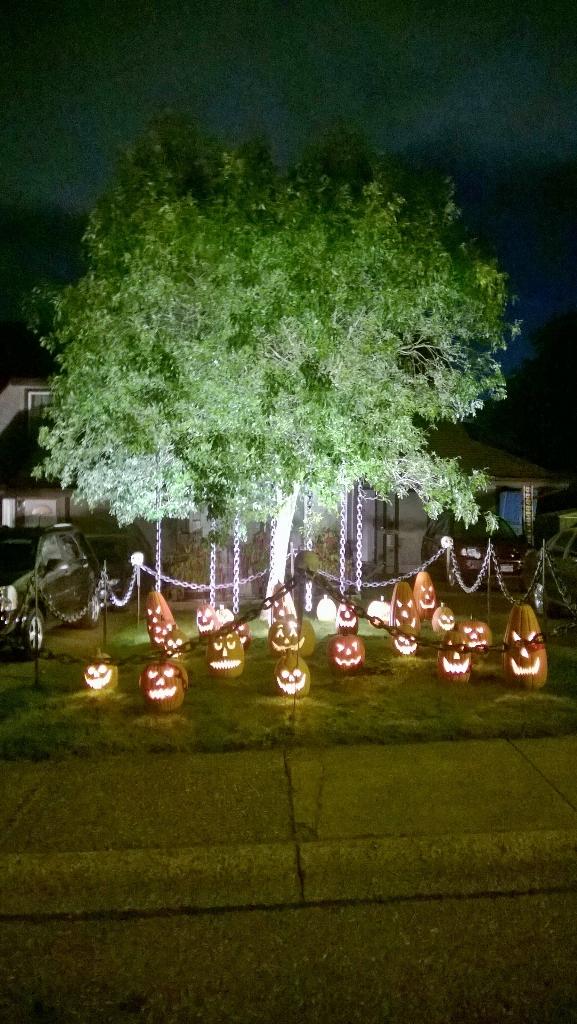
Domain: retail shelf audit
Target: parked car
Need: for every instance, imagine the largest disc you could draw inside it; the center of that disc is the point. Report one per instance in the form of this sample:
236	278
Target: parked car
68	574
470	545
562	552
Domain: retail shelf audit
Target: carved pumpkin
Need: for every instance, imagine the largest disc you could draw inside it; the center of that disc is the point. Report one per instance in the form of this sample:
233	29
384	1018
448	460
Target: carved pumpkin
158	617
223	615
243	630
101	674
346	652
292	675
405	643
282	606
380	609
424	594
525	656
206	619
443	619
225	655
162	684
478	636
173	640
454	658
404	614
347	620
326	609
284	636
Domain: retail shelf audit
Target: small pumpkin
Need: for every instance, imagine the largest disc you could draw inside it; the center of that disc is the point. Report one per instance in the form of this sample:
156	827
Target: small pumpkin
405	643
101	674
225	655
223	615
477	634
346	620
380	609
525	655
162	684
404	618
346	652
326	609
454	657
206	619
173	641
425	595
285	635
292	675
158	617
443	619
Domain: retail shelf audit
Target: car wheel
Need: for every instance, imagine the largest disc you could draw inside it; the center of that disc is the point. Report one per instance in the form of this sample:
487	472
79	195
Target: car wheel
90	619
33	635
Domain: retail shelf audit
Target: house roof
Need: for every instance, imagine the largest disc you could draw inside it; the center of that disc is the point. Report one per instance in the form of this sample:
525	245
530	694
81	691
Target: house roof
451	440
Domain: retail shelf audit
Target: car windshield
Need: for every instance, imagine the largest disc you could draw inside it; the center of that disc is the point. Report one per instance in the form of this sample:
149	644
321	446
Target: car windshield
504	531
17	556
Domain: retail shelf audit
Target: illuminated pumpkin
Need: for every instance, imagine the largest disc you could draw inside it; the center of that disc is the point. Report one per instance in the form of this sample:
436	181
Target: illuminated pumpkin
424	595
173	640
101	674
282	606
223	615
525	656
443	619
405	643
347	620
326	609
454	658
206	620
292	675
158	617
404	614
478	636
225	655
243	631
162	684
284	636
380	609
346	652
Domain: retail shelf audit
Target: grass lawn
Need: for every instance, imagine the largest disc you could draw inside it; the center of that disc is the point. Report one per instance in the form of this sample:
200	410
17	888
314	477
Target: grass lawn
392	700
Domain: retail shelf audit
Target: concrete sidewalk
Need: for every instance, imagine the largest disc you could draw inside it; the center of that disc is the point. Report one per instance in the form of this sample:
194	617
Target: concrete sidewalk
273	829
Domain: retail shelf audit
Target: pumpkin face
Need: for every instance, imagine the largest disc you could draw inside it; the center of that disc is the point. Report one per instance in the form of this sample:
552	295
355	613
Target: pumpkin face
346	652
424	595
284	636
158	617
243	631
477	635
225	655
443	619
282	606
347	620
223	615
173	640
292	675
404	614
326	609
454	658
380	609
405	643
525	656
101	674
206	620
163	684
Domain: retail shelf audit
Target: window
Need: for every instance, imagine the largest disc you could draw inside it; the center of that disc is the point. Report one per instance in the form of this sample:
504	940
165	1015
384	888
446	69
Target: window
36	399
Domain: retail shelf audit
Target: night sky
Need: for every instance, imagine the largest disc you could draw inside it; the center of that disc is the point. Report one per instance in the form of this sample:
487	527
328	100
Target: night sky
485	91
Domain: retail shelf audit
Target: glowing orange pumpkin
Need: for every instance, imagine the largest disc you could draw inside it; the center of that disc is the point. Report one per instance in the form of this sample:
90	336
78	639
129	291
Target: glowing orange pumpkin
478	636
292	675
346	652
206	620
525	655
380	610
347	620
454	658
158	617
404	618
101	674
424	595
225	655
443	619
282	606
173	640
162	685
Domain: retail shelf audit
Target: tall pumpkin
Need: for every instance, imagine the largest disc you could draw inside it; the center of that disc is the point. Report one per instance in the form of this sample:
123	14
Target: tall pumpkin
524	656
404	617
158	618
424	594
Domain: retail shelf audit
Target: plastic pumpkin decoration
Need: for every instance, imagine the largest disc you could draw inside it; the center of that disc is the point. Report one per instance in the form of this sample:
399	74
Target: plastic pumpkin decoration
425	595
454	658
292	675
158	617
101	674
285	635
206	619
404	617
443	619
225	655
525	655
162	684
243	631
223	615
380	609
346	652
326	609
478	635
347	620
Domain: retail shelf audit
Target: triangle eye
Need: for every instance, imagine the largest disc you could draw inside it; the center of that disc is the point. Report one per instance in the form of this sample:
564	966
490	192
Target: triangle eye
516	636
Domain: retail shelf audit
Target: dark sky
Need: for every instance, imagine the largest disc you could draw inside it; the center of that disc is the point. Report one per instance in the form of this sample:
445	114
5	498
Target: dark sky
486	91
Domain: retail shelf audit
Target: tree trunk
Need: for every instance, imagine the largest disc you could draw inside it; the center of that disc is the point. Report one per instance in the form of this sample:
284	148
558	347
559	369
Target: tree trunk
281	540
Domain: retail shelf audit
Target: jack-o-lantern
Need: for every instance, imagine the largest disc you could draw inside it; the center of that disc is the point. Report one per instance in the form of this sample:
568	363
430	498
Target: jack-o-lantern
162	684
101	674
477	635
346	652
404	615
326	609
424	594
225	655
223	615
173	640
158	617
292	675
443	619
206	619
346	620
380	610
282	606
454	657
525	656
405	643
285	635
243	631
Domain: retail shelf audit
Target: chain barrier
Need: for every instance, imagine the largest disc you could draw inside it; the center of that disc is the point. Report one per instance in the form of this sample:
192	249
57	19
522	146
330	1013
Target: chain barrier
569	604
482	571
236	567
359	541
120	602
212	576
382	583
158	553
76	616
308	508
506	593
343	543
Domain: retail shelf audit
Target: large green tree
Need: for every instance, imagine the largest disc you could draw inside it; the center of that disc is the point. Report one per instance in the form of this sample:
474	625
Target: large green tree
242	333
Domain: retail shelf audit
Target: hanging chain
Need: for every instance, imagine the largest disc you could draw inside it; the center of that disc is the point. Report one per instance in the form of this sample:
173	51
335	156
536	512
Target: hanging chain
76	616
273	523
158	554
342	544
512	598
236	566
359	549
120	602
482	571
385	583
308	508
212	574
560	587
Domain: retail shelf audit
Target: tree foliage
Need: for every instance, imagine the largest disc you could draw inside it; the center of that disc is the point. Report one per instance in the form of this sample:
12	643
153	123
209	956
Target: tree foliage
243	331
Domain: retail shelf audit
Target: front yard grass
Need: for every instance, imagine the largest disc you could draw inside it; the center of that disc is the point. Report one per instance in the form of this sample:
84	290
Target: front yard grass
392	700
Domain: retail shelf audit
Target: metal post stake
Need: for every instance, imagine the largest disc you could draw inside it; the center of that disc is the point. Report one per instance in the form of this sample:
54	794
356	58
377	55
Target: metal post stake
104	611
36	650
489	582
543	586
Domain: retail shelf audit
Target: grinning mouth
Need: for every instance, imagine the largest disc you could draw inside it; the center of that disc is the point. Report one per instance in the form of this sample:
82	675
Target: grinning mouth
225	663
348	662
162	694
99	682
530	670
292	688
457	668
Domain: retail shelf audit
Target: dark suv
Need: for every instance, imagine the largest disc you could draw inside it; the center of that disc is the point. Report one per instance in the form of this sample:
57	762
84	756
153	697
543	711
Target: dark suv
68	574
470	545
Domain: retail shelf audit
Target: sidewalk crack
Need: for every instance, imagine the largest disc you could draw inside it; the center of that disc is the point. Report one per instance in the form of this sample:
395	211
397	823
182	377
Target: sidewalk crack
298	859
546	778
